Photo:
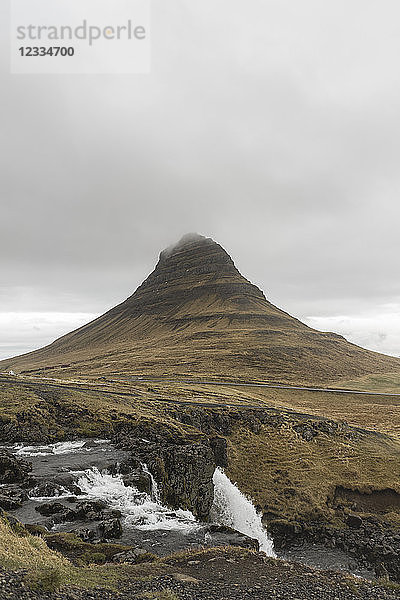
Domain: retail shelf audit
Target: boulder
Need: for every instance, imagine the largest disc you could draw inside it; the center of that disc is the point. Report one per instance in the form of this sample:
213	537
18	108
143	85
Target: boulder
221	535
128	465
86	534
133	474
354	521
58	512
13	469
139	480
92	510
8	503
110	529
133	556
50	508
12	496
53	489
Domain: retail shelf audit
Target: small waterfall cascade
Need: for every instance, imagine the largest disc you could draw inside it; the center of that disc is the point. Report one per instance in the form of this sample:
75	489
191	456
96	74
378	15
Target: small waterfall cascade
233	509
139	510
45	450
155	493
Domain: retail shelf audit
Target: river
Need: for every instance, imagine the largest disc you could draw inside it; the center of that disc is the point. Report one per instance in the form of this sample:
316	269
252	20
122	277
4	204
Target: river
89	467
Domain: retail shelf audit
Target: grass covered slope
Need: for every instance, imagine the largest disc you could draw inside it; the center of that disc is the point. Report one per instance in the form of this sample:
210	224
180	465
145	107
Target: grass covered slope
299	479
47	570
196	314
218	573
291	463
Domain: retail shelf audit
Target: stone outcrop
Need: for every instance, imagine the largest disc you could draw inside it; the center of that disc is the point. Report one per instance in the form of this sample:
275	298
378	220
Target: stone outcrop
185	473
13	469
183	469
372	543
221	535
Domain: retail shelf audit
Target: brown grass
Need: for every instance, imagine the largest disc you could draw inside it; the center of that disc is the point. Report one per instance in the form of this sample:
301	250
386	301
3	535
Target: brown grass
196	314
49	570
296	479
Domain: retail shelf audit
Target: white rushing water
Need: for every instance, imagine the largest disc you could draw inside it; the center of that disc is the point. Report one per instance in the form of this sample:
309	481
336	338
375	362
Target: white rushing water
146	512
138	508
57	448
233	509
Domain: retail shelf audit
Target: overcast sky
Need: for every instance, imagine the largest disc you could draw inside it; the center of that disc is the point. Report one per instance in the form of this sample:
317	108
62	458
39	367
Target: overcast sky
272	126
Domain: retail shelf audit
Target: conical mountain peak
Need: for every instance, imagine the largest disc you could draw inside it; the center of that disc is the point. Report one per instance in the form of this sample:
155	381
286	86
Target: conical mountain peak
187	242
194	268
196	314
194	252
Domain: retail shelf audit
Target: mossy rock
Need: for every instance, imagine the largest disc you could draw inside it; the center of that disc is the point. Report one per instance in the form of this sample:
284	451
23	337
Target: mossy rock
79	552
36	529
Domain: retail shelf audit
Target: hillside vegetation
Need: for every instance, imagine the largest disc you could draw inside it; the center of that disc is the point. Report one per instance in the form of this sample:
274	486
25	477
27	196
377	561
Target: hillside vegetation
197	315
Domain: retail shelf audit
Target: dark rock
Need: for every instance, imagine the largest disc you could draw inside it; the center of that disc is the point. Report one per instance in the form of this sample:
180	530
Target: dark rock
86	534
133	474
12	497
15	492
185	472
139	480
133	556
373	543
221	535
51	488
110	513
12	468
110	529
8	503
219	447
47	489
183	469
354	521
128	465
91	510
66	515
49	509
66	480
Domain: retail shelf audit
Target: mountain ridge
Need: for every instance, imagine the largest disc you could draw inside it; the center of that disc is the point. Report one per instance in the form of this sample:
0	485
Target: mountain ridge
195	313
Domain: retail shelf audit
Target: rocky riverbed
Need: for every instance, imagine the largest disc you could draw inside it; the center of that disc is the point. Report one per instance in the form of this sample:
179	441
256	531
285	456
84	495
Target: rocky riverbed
107	495
104	494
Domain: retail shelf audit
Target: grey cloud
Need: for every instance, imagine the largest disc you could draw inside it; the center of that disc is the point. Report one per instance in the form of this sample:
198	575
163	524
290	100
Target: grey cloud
273	127
379	332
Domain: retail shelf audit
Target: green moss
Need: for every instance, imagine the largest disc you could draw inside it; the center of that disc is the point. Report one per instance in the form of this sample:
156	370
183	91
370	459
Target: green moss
47	579
71	546
97	558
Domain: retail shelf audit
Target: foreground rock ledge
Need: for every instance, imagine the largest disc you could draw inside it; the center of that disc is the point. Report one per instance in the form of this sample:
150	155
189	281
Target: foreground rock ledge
215	574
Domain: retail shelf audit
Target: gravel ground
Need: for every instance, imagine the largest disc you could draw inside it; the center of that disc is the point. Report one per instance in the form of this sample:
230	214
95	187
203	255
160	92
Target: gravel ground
221	578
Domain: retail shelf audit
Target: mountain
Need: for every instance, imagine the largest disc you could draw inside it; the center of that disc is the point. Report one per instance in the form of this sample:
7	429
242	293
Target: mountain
197	315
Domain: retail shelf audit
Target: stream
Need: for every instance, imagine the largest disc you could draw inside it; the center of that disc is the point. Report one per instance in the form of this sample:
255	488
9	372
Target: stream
84	471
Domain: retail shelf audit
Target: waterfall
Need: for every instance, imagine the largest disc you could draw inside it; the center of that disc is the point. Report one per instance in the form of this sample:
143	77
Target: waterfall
233	509
155	494
139	510
144	511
